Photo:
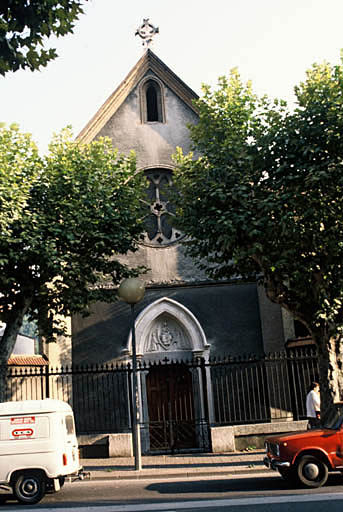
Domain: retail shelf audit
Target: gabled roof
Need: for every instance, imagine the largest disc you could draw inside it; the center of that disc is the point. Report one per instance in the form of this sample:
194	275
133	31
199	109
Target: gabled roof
149	61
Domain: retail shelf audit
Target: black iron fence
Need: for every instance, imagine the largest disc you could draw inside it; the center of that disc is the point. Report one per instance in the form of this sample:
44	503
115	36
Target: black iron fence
225	391
257	390
100	394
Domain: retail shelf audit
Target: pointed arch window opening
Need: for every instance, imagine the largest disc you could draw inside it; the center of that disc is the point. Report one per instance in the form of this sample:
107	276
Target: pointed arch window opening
152	102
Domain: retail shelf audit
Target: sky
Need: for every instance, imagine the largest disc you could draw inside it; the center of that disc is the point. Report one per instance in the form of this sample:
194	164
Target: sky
271	42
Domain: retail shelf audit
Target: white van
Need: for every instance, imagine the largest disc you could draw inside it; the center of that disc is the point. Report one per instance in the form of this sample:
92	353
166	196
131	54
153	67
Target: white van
38	447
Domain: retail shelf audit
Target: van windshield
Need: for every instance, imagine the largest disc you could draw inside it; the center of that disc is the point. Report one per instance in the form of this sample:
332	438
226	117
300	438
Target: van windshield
70	425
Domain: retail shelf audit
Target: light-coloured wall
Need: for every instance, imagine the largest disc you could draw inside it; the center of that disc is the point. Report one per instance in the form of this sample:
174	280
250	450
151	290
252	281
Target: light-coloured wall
167	265
59	352
154	144
240	437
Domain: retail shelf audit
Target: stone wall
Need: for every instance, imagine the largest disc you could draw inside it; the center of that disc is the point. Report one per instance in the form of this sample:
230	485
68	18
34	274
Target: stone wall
240	437
223	439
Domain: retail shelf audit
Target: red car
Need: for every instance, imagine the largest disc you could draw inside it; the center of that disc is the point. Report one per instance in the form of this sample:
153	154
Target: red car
307	457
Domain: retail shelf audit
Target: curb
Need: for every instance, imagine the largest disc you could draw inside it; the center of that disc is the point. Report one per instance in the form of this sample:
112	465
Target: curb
186	474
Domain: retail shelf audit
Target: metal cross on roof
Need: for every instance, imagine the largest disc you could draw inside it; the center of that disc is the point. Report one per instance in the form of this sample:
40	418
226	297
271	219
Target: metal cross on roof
146	32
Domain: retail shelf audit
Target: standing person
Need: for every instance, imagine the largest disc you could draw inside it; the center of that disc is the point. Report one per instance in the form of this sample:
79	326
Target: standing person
313	406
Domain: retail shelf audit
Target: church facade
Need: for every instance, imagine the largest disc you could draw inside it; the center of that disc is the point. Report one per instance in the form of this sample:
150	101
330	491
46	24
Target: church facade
183	316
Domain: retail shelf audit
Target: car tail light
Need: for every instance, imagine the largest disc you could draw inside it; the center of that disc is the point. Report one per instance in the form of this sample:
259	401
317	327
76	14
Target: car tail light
65	459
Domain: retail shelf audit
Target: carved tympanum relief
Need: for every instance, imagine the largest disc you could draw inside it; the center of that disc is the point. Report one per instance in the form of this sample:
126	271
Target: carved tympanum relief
165	335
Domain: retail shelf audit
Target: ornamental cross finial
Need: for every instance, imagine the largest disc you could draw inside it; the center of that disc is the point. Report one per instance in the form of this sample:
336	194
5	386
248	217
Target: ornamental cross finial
147	31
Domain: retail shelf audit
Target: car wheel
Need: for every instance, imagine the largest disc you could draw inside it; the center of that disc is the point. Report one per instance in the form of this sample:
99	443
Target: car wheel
29	487
312	472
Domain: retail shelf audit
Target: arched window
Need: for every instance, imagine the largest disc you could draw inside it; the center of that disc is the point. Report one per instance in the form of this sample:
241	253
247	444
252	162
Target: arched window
152	104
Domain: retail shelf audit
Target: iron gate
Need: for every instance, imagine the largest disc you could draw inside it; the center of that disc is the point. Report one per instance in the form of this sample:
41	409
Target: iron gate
171	408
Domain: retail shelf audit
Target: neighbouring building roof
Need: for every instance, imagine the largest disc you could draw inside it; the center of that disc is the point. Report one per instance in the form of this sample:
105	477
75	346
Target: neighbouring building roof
27	360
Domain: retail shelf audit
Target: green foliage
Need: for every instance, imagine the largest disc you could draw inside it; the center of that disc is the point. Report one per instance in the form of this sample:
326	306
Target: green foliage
264	199
19	167
82	212
25	25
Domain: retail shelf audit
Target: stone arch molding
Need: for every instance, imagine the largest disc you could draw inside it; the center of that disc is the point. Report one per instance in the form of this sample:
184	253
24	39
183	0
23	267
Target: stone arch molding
159	88
166	327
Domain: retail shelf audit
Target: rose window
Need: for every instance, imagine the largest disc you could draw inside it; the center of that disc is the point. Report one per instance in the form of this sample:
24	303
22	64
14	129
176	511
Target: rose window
159	229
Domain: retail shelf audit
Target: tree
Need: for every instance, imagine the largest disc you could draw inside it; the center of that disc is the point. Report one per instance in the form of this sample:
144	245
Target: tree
82	212
264	201
26	24
19	166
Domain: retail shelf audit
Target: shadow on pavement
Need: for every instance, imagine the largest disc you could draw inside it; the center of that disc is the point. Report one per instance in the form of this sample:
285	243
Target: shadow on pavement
258	484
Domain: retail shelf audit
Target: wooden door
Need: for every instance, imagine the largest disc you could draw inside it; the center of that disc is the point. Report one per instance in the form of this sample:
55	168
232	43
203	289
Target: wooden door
171	408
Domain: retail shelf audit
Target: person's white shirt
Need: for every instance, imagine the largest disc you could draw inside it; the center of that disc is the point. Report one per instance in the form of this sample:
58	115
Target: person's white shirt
312	403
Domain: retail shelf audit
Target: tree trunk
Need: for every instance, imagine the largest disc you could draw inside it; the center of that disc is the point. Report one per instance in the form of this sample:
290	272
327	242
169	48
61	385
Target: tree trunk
9	338
330	361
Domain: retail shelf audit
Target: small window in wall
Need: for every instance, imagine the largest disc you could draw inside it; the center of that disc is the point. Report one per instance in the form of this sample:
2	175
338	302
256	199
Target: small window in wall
152	106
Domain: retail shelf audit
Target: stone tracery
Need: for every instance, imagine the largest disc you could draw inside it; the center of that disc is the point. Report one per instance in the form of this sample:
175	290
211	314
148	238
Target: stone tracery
160	232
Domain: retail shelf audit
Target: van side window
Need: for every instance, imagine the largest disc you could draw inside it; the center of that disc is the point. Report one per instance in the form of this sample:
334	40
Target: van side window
70	425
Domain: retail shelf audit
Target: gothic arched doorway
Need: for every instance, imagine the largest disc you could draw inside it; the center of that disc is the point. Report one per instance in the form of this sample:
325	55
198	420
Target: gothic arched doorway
170	407
175	396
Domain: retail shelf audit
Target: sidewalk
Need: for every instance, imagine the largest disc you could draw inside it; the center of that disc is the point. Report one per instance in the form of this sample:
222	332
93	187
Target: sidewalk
176	466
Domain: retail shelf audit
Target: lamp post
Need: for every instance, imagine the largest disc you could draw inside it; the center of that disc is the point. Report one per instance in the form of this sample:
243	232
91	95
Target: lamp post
131	291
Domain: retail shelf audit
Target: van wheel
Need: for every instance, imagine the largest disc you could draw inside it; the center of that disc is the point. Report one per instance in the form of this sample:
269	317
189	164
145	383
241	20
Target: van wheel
312	472
29	487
